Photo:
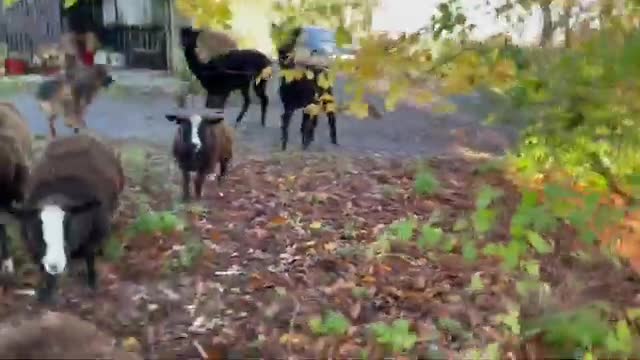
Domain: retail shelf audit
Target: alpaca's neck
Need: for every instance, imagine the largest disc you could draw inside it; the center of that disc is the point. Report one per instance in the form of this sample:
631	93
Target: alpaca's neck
192	60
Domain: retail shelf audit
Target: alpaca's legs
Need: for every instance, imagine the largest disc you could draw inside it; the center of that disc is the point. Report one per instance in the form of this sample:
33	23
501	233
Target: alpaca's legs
284	128
245	104
261	92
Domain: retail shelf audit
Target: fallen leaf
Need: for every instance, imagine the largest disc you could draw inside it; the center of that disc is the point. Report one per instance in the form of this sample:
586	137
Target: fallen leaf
355	309
294	339
278	220
369	279
131	344
215	236
316	225
330	247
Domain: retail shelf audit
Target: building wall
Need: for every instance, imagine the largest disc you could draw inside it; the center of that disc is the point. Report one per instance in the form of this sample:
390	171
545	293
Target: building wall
176	21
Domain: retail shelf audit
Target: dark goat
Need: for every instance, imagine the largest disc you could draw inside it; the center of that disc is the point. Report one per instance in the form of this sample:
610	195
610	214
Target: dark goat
201	142
15	158
71	195
234	70
54	335
304	93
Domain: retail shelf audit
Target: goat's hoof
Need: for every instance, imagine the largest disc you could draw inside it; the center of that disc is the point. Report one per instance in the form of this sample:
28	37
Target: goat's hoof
7	266
92	285
45	297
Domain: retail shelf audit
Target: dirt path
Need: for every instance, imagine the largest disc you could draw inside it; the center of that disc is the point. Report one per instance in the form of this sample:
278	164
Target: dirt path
406	132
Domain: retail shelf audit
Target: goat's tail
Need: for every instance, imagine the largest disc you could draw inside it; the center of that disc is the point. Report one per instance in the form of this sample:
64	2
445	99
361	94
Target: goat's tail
265	74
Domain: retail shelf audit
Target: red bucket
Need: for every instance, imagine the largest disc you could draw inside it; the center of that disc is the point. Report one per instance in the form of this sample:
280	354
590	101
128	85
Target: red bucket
88	58
15	67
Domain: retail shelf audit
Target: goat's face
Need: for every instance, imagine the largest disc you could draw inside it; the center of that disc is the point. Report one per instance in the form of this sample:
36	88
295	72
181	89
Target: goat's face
189	129
46	225
188	37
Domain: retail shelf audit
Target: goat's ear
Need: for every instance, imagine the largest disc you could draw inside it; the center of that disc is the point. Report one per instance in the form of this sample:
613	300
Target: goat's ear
211	120
82	207
20	212
173	118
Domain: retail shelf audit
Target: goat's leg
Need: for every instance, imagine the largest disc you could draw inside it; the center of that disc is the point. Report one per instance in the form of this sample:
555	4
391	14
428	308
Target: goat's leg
332	127
284	128
47	286
197	183
224	166
186	182
304	131
5	255
52	127
309	128
92	275
261	92
246	100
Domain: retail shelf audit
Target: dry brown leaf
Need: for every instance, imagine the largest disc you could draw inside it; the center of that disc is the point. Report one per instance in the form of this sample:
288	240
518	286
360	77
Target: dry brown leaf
215	236
355	310
278	220
330	247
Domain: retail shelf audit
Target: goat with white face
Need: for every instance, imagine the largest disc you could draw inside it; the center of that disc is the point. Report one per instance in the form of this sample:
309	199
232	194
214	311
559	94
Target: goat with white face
56	232
72	193
200	143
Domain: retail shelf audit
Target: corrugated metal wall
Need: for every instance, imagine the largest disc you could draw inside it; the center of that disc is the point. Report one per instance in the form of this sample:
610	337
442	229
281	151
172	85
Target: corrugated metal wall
30	23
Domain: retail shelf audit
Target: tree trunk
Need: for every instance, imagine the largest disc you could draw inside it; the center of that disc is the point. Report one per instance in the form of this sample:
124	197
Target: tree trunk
567	26
547	23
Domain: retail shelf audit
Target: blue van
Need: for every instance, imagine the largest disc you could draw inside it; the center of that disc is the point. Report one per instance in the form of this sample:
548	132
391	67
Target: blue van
322	41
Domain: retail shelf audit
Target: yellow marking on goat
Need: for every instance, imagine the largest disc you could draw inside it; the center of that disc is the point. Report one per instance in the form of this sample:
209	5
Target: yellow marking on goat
310	74
265	74
312	109
292	74
330	108
326	97
323	81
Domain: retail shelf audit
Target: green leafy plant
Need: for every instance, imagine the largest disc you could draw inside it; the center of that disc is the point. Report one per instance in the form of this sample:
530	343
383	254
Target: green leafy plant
395	337
163	222
188	255
426	183
332	324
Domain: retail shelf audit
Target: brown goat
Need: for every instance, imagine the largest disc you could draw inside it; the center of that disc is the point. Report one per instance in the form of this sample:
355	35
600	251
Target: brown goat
54	335
15	157
71	196
200	143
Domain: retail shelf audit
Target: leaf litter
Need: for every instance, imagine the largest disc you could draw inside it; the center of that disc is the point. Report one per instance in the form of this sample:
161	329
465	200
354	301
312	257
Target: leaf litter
285	270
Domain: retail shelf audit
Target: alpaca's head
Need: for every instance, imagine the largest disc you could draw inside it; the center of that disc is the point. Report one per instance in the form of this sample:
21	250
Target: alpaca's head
188	37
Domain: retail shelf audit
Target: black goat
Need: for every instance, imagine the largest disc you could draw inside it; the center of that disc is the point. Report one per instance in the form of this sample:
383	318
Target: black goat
304	93
233	70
